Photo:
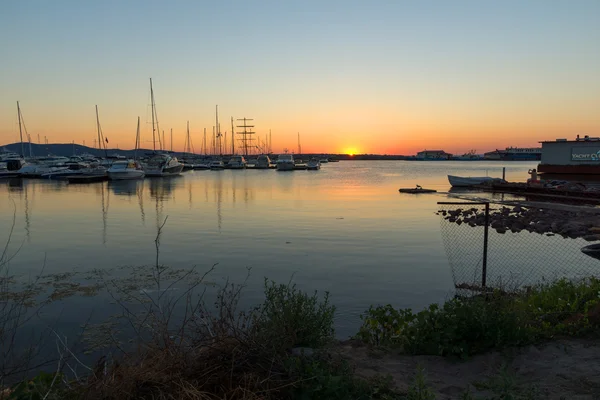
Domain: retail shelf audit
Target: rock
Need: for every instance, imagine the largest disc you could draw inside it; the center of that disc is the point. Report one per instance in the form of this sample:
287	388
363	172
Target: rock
517	226
541	228
591	238
302	352
497	224
501	230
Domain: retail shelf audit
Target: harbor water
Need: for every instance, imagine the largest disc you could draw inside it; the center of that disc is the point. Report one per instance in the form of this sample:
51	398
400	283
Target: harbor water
344	229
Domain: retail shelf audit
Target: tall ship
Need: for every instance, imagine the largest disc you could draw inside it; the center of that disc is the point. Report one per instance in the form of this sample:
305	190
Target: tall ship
515	154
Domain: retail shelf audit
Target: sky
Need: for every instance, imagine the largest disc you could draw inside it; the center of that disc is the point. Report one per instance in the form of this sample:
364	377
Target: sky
381	76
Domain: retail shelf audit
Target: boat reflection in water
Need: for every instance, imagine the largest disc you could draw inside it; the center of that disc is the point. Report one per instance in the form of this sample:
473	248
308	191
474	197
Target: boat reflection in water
126	187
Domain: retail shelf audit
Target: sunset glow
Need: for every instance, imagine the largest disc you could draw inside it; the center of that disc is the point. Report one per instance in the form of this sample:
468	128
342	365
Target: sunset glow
386	77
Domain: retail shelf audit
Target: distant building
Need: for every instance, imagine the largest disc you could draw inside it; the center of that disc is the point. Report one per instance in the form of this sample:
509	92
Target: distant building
433	155
515	154
580	156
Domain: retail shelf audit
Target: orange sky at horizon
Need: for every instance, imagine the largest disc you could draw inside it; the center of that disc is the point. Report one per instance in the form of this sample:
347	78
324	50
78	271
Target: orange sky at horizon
317	135
384	77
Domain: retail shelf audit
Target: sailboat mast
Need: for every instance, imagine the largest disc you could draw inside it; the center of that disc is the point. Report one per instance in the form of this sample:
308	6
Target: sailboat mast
137	140
232	138
189	147
152	110
270	143
20	130
204	142
171	139
100	142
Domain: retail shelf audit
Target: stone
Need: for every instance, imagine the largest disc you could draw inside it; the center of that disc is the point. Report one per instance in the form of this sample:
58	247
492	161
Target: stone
302	351
591	238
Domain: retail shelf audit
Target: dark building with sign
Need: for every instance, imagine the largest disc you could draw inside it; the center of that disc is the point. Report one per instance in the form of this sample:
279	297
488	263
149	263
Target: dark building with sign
580	156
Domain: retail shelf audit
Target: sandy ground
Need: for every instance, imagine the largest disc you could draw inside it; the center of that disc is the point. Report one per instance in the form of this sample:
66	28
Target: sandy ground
564	369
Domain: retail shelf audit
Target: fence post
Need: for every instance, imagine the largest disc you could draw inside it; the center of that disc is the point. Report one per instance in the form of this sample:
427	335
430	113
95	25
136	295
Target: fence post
485	245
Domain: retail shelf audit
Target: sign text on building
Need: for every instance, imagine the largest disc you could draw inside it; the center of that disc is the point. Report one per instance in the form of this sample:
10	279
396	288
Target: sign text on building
587	153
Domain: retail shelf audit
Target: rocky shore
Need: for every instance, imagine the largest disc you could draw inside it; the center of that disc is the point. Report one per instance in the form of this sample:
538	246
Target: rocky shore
569	222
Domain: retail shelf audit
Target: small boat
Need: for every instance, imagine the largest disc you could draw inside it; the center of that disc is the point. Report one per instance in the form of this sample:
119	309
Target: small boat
285	162
313	164
216	165
163	165
416	190
10	168
125	169
593	250
459	181
263	162
237	162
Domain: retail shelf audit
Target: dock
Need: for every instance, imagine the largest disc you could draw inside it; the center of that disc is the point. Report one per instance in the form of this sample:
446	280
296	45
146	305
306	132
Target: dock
527	190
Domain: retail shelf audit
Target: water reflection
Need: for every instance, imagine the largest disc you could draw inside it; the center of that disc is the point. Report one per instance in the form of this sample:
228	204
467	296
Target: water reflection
218	190
105	200
285	180
130	188
125	187
161	190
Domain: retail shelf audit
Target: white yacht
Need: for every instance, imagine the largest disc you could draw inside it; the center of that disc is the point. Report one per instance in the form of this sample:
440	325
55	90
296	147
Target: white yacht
163	165
285	162
313	164
8	155
237	162
263	162
11	167
216	165
125	169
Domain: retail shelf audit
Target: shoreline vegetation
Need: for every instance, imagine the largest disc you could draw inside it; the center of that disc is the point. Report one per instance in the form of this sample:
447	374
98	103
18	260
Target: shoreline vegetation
171	339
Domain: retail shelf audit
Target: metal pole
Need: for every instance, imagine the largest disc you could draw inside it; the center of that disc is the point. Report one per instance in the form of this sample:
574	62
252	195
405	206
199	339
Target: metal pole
485	245
503	173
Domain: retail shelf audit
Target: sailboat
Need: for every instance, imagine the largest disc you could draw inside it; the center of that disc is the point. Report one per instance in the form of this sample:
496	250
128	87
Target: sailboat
10	162
127	169
160	164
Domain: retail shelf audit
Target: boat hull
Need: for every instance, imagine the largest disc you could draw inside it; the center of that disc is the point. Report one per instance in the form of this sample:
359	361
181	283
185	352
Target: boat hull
125	175
285	166
460	181
166	171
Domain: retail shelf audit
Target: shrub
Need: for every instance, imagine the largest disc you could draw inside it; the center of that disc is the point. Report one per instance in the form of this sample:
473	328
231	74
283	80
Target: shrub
462	327
289	317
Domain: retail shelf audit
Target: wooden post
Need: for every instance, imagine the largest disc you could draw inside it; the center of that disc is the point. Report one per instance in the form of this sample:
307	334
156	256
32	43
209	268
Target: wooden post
485	245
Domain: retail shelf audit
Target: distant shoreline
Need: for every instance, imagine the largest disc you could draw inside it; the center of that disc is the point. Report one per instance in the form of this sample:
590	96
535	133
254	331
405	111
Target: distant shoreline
69	149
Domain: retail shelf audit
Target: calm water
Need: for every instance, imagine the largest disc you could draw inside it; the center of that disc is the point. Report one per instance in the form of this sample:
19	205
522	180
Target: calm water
344	229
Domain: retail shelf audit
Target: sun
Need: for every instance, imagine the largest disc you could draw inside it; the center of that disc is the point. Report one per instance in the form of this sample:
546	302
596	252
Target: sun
351	151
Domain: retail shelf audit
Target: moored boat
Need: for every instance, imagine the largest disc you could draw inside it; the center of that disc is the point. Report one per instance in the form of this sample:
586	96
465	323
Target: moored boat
461	181
313	164
163	165
237	162
263	162
285	162
125	169
216	165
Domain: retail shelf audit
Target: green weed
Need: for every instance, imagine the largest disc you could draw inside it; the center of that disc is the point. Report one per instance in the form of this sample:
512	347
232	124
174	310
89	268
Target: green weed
462	327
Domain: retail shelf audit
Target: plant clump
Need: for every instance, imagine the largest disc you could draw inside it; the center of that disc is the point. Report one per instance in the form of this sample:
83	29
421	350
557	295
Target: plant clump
466	326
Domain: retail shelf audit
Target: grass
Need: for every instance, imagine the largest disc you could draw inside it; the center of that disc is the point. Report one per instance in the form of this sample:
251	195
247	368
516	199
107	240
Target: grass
466	326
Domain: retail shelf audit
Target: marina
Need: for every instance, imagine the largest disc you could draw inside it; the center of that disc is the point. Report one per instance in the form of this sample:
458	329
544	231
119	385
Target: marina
309	225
